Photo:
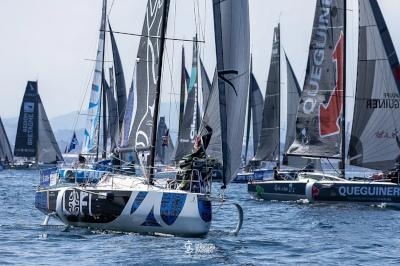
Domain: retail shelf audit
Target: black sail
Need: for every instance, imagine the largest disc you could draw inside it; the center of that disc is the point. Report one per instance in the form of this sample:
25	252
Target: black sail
164	145
318	122
232	40
5	148
189	128
375	132
205	85
268	145
112	118
27	131
256	104
119	79
147	75
48	149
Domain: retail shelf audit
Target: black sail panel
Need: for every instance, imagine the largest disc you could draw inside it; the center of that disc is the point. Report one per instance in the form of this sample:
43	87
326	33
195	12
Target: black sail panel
147	75
5	148
375	132
48	149
189	128
113	115
119	79
318	122
205	84
256	104
27	132
268	145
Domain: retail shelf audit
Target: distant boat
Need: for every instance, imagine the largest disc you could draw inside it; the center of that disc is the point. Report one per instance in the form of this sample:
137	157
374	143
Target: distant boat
6	154
35	144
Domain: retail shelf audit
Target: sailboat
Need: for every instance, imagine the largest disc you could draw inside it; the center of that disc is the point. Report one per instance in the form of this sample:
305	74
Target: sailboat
6	155
35	143
327	38
139	204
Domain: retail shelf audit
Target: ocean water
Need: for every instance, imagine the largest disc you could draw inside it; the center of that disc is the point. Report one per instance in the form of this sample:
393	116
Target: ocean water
272	233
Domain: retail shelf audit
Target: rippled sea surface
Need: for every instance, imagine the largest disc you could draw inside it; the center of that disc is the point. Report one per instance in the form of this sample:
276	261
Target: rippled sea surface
273	233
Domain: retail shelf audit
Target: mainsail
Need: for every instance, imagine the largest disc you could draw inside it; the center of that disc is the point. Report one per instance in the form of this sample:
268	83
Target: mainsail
375	133
255	111
48	150
147	75
189	127
164	145
232	39
113	115
93	117
119	79
319	115
205	85
34	135
27	131
268	145
5	148
127	122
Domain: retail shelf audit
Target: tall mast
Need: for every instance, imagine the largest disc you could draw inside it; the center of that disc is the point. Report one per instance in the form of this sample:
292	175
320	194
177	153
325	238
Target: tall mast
164	22
102	91
279	98
249	113
343	159
197	85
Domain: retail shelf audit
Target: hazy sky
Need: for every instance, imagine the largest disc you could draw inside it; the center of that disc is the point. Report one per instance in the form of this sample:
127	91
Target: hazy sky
49	40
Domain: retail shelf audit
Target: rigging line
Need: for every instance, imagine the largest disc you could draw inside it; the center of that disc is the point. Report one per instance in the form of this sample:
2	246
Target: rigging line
111	7
156	37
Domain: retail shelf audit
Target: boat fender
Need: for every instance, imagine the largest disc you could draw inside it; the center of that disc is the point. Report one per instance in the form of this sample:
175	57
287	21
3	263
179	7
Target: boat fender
240	219
310	191
110	196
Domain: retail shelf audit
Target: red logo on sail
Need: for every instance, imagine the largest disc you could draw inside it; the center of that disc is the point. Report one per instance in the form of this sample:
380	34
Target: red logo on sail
329	114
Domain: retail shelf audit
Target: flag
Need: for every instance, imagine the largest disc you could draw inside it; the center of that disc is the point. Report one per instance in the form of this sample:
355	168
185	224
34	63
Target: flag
73	144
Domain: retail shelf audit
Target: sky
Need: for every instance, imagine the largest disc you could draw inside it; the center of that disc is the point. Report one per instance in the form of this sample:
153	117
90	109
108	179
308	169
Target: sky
53	41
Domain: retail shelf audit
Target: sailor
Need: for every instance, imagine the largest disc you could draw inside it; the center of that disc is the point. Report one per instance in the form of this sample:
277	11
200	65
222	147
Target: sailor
81	159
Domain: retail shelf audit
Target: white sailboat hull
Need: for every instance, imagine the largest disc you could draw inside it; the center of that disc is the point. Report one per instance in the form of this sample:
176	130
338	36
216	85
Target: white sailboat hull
142	209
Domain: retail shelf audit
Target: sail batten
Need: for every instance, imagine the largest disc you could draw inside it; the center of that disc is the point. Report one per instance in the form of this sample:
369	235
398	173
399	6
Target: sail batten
374	141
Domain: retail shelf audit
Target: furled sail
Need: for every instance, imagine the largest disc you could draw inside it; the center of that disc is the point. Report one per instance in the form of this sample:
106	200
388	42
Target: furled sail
189	127
93	116
319	115
375	137
205	85
119	79
5	148
27	131
232	39
147	67
127	122
268	145
48	150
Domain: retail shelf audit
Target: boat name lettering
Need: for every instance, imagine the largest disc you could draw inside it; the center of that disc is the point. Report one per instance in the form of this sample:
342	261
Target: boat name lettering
368	191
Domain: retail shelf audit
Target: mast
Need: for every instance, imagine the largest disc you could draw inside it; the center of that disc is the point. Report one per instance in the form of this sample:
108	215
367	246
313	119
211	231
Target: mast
279	98
248	113
164	22
343	158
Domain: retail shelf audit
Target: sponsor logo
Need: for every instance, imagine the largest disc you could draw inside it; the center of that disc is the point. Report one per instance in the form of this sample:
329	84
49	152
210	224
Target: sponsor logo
319	42
368	191
390	101
29	107
329	114
281	188
77	203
